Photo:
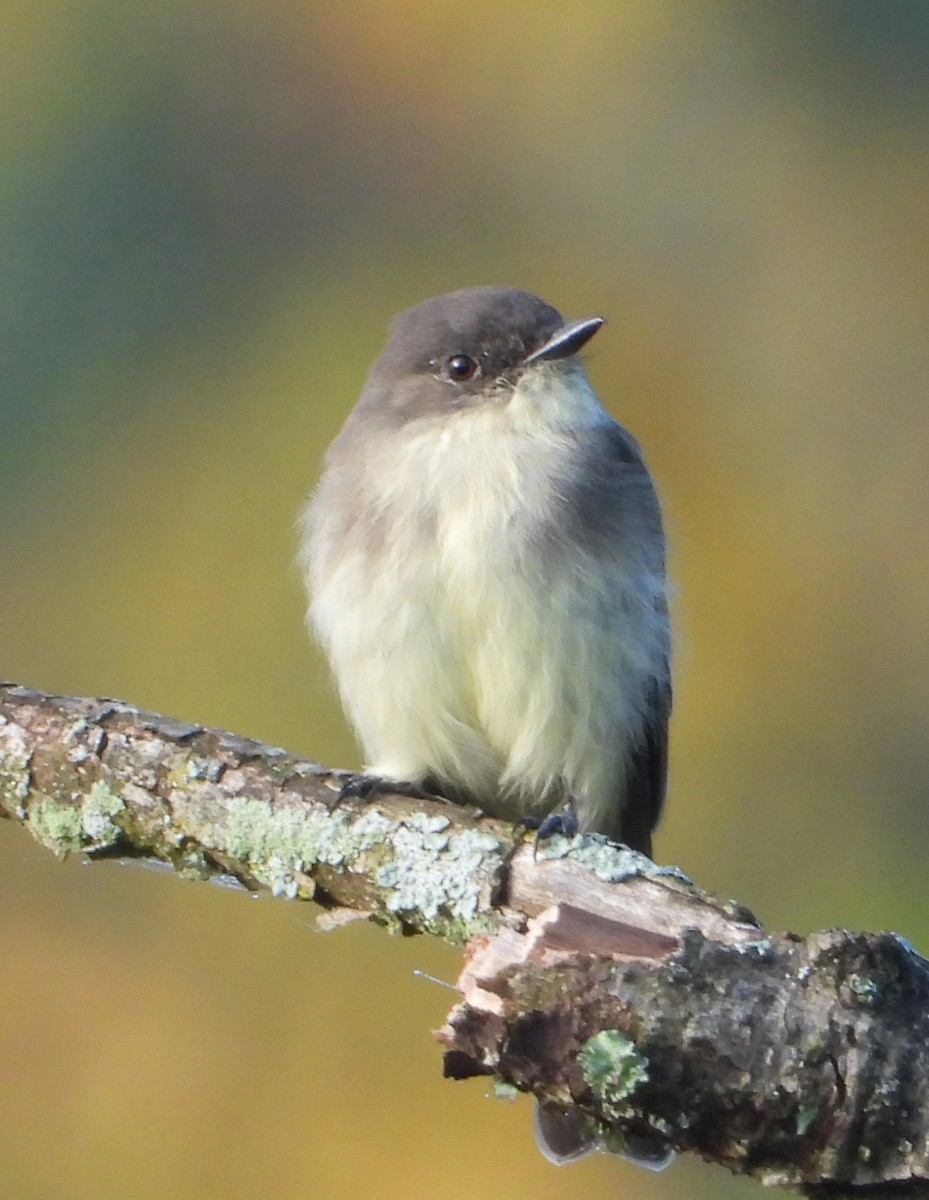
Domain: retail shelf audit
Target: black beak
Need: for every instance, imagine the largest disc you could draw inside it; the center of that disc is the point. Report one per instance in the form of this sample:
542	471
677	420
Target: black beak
565	341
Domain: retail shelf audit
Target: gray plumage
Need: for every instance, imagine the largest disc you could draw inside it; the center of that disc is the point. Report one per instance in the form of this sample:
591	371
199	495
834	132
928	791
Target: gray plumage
485	561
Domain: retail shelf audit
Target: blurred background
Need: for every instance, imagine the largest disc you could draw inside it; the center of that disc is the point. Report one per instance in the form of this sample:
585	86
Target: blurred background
209	213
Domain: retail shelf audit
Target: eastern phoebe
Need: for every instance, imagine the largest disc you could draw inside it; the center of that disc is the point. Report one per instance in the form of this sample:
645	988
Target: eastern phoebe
486	566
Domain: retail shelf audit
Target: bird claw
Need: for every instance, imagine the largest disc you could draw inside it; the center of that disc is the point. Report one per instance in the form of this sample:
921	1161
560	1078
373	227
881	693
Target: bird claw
367	787
563	821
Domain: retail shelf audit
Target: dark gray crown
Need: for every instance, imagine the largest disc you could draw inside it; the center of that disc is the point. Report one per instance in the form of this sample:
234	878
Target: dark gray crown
497	326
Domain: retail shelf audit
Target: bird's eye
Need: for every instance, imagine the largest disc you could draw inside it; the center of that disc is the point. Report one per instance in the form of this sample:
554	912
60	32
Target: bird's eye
461	367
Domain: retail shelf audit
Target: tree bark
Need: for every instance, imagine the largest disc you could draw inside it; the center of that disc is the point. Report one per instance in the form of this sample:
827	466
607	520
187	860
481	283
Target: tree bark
592	977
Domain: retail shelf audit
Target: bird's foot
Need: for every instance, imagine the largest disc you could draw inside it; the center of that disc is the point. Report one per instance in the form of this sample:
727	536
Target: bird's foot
366	787
562	821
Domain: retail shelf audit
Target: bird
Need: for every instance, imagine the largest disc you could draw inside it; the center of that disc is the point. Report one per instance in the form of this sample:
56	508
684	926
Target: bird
485	561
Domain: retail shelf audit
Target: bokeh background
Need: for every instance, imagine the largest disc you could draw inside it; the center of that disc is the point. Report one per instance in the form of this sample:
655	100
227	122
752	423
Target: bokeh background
209	212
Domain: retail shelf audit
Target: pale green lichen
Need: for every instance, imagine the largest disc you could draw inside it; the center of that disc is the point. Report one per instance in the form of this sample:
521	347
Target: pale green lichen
98	808
278	843
433	872
608	861
15	783
504	1090
613	1139
199	767
193	864
64	828
864	989
425	870
613	1067
57	826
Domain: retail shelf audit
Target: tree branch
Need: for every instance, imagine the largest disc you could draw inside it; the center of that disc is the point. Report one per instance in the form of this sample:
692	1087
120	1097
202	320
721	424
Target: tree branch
592	977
